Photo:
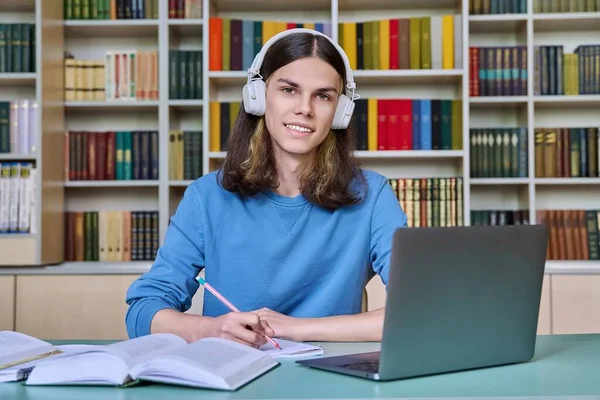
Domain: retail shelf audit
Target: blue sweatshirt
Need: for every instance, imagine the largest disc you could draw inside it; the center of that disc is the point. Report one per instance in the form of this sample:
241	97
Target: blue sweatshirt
283	253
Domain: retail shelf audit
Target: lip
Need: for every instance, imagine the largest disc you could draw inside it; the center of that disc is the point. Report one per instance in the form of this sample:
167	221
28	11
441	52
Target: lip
300	125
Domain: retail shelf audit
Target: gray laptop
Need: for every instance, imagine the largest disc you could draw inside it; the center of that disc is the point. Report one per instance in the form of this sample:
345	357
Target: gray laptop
458	298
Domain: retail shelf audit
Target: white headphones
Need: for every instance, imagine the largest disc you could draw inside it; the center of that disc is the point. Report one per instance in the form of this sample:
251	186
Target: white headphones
254	91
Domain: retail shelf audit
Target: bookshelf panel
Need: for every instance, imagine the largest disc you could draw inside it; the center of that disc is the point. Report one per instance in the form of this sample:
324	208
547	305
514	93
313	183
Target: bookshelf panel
394	5
500	197
112	198
15	80
578	22
185	119
509	23
18	250
111	28
496	39
266	6
186	27
11	91
10	6
415	168
293	14
17	16
371	14
572	197
584	115
112	119
96	47
498	117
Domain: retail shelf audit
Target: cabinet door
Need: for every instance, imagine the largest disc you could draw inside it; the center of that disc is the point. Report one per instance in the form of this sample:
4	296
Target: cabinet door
7	303
544	320
72	307
575	304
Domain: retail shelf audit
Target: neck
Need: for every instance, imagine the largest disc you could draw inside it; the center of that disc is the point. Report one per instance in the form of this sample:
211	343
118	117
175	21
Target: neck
289	169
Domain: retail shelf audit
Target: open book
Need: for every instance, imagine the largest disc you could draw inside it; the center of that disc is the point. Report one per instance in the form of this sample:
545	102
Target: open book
161	357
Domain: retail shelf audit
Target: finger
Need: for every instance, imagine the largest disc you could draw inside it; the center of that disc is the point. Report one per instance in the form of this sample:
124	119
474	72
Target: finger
250	319
267	328
250	336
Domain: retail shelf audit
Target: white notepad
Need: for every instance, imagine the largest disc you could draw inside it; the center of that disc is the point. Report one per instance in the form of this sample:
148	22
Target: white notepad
291	349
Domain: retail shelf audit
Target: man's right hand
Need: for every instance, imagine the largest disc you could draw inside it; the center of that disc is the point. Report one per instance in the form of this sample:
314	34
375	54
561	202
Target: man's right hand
242	327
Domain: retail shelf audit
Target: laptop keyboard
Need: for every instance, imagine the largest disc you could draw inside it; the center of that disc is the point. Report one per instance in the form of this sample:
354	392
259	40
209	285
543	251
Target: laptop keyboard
368	366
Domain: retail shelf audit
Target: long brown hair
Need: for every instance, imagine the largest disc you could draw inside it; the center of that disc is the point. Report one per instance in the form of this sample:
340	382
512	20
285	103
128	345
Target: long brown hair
250	166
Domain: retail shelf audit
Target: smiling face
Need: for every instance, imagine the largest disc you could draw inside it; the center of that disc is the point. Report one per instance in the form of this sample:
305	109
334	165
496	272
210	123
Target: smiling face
301	102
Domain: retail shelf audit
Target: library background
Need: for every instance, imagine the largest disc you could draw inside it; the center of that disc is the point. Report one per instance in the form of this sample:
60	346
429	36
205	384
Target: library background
477	111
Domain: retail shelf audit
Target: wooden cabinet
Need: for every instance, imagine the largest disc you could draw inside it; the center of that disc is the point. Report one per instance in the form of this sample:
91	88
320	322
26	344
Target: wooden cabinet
7	303
376	299
72	306
76	307
575	304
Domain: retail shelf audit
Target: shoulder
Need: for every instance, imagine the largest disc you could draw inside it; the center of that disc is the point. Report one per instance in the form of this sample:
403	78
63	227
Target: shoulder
208	189
373	183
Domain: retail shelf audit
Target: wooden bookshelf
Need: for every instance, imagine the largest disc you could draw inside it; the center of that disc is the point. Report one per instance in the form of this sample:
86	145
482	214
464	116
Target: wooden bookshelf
89	39
43	243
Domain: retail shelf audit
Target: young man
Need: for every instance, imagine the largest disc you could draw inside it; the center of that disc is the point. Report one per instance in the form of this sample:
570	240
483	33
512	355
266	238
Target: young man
291	229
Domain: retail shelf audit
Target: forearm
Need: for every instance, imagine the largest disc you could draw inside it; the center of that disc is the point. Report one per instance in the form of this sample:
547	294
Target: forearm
189	327
362	327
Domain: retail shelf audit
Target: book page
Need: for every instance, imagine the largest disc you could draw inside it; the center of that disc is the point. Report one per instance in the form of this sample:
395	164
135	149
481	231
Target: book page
15	346
291	349
135	351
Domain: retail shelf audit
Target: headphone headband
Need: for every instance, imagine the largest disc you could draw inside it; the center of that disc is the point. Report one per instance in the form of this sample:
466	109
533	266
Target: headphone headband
254	69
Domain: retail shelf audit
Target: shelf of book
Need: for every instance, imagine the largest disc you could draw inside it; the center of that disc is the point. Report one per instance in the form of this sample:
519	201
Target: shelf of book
451	80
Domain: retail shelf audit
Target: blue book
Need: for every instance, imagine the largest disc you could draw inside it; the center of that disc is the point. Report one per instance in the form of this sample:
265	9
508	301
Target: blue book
416	124
425	119
248	43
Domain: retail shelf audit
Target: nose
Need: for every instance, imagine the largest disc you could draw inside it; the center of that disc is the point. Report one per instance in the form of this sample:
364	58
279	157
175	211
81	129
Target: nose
304	105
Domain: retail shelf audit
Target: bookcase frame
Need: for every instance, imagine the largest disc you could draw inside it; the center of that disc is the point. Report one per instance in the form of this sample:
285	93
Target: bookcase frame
48	243
45	246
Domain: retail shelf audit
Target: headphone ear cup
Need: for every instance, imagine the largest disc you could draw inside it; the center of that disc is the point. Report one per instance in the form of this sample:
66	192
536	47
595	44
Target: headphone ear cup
254	97
343	113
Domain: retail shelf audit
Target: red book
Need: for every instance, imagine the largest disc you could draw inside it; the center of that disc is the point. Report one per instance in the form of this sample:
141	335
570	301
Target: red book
405	124
382	124
394	60
393	125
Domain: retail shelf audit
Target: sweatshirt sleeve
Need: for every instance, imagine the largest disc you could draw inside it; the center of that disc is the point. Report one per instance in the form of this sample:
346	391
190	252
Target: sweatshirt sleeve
171	281
386	218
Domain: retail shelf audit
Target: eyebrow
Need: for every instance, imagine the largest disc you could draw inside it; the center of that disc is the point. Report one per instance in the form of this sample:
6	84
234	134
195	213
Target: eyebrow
295	85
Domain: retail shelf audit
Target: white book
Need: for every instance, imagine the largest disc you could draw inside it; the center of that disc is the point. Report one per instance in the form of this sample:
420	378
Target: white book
18	348
33	202
13	207
436	42
4	196
20	353
109	70
25	194
161	357
458	41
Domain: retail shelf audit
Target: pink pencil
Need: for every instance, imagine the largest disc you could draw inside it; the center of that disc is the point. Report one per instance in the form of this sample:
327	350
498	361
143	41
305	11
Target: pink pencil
229	305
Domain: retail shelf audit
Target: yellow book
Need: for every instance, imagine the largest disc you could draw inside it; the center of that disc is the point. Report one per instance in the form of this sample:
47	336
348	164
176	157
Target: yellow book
269	30
309	25
280	27
215	126
234	108
384	44
349	44
415	42
372	124
447	42
226	43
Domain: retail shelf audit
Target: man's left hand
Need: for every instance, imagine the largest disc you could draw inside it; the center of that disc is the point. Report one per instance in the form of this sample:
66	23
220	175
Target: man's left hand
285	327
